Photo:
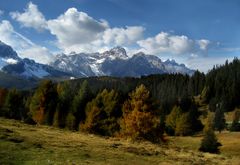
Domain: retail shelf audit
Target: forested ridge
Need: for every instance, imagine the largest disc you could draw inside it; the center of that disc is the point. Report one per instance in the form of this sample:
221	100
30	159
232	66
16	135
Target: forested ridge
136	108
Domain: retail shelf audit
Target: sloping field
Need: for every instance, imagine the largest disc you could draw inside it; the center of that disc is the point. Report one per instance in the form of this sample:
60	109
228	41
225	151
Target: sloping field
26	144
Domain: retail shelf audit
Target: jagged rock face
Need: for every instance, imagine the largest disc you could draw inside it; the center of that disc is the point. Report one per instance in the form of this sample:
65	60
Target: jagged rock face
115	62
116	53
171	66
137	65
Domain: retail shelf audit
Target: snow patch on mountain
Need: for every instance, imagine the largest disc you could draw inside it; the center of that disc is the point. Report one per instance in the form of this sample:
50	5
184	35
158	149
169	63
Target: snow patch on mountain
7	61
11	61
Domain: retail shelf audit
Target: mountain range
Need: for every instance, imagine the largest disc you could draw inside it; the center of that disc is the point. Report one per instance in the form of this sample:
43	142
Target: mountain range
114	62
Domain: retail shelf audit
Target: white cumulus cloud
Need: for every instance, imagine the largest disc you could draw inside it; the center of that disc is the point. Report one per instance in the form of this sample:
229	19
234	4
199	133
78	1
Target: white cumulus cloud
77	31
74	27
31	17
122	36
174	44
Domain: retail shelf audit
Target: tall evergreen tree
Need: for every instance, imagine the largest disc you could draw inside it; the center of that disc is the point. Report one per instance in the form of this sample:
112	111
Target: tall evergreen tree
236	121
80	101
219	119
13	106
102	114
65	96
3	95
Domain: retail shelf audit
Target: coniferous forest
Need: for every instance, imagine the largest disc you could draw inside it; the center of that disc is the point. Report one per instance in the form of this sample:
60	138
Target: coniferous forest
146	108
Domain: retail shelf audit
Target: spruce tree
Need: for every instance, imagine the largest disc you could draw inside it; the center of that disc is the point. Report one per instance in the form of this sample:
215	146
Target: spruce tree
3	95
102	114
235	123
219	119
209	142
80	101
13	106
65	96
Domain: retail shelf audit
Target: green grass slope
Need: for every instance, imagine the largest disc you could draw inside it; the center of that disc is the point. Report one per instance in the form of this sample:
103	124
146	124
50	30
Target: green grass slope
26	144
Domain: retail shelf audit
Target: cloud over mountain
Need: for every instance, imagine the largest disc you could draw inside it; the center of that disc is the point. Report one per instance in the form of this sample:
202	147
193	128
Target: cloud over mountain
169	43
77	31
25	47
74	27
31	17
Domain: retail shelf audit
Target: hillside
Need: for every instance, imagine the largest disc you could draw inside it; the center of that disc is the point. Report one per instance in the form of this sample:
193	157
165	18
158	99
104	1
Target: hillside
26	144
10	81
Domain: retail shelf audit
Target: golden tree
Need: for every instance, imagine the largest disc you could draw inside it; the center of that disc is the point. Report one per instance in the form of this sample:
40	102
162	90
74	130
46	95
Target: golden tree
139	120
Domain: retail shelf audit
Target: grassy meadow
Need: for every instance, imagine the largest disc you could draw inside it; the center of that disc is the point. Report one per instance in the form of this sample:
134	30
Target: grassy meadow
26	144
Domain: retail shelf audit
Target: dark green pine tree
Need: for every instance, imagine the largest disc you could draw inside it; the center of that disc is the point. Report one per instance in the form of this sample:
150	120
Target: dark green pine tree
3	95
102	114
65	97
13	105
79	103
235	123
219	119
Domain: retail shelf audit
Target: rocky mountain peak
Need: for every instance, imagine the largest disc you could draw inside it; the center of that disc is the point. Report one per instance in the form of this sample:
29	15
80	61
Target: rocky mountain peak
116	52
6	51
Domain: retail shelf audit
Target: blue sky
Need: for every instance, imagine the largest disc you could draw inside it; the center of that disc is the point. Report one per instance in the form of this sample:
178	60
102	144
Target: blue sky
198	33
